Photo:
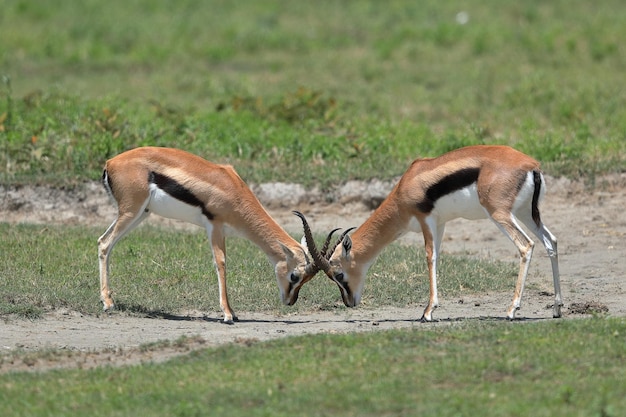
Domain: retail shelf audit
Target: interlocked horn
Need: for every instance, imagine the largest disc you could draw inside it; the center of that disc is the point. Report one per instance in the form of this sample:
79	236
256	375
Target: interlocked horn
319	260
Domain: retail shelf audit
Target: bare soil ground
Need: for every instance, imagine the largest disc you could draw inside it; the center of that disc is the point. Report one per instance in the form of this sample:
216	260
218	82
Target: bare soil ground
590	224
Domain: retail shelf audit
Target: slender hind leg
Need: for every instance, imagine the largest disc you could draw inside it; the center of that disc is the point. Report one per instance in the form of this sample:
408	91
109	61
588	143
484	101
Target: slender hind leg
508	225
550	243
124	223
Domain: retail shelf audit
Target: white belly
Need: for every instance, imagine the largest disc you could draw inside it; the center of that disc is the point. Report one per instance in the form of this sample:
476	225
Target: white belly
165	205
462	203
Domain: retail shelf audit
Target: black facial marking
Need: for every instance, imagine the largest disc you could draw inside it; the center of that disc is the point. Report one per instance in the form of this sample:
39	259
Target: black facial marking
347	288
447	185
178	191
339	279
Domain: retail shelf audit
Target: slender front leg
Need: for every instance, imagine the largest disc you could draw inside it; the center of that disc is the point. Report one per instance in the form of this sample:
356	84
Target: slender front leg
218	247
432	244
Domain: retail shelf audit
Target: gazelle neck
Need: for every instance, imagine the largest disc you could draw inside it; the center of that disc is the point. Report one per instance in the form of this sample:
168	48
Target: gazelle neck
261	229
386	224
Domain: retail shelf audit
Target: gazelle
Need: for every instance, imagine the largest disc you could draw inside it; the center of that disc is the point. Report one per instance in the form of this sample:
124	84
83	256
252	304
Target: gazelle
475	182
179	185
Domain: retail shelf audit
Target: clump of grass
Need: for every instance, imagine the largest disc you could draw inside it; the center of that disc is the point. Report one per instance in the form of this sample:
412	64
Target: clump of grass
182	343
300	106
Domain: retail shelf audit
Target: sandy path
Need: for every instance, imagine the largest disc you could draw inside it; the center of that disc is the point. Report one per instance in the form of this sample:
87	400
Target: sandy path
590	226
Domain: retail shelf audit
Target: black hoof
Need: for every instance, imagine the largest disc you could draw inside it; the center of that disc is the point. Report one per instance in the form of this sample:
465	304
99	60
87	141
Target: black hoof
235	318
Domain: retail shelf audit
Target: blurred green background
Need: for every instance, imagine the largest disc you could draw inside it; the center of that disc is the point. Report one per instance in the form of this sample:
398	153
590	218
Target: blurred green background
311	92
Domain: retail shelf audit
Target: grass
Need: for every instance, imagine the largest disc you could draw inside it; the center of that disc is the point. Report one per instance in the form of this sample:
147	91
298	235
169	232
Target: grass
487	368
348	90
156	271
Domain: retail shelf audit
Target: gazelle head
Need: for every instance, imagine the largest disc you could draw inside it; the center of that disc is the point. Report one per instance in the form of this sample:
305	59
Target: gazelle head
293	272
337	263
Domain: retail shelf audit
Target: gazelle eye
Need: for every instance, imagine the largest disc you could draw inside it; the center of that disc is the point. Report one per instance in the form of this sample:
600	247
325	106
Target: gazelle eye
339	277
294	278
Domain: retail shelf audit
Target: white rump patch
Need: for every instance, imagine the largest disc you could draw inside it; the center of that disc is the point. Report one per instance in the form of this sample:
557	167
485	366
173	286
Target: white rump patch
525	195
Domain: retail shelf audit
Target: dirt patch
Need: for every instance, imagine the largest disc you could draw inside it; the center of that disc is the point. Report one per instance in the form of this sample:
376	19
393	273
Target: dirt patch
589	224
589	307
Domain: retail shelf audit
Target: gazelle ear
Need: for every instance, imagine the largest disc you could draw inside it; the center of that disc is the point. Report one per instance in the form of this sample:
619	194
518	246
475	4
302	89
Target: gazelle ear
303	243
346	245
288	252
305	249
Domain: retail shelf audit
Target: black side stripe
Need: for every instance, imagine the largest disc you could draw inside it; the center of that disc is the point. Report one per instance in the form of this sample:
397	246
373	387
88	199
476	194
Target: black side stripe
447	185
178	191
535	203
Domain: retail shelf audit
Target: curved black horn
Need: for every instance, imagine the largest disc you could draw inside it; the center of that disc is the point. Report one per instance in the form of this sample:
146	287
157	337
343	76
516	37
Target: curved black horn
321	263
327	243
339	240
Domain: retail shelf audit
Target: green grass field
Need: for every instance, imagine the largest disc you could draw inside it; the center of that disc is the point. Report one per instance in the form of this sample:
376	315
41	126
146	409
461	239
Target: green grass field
351	89
554	368
315	93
